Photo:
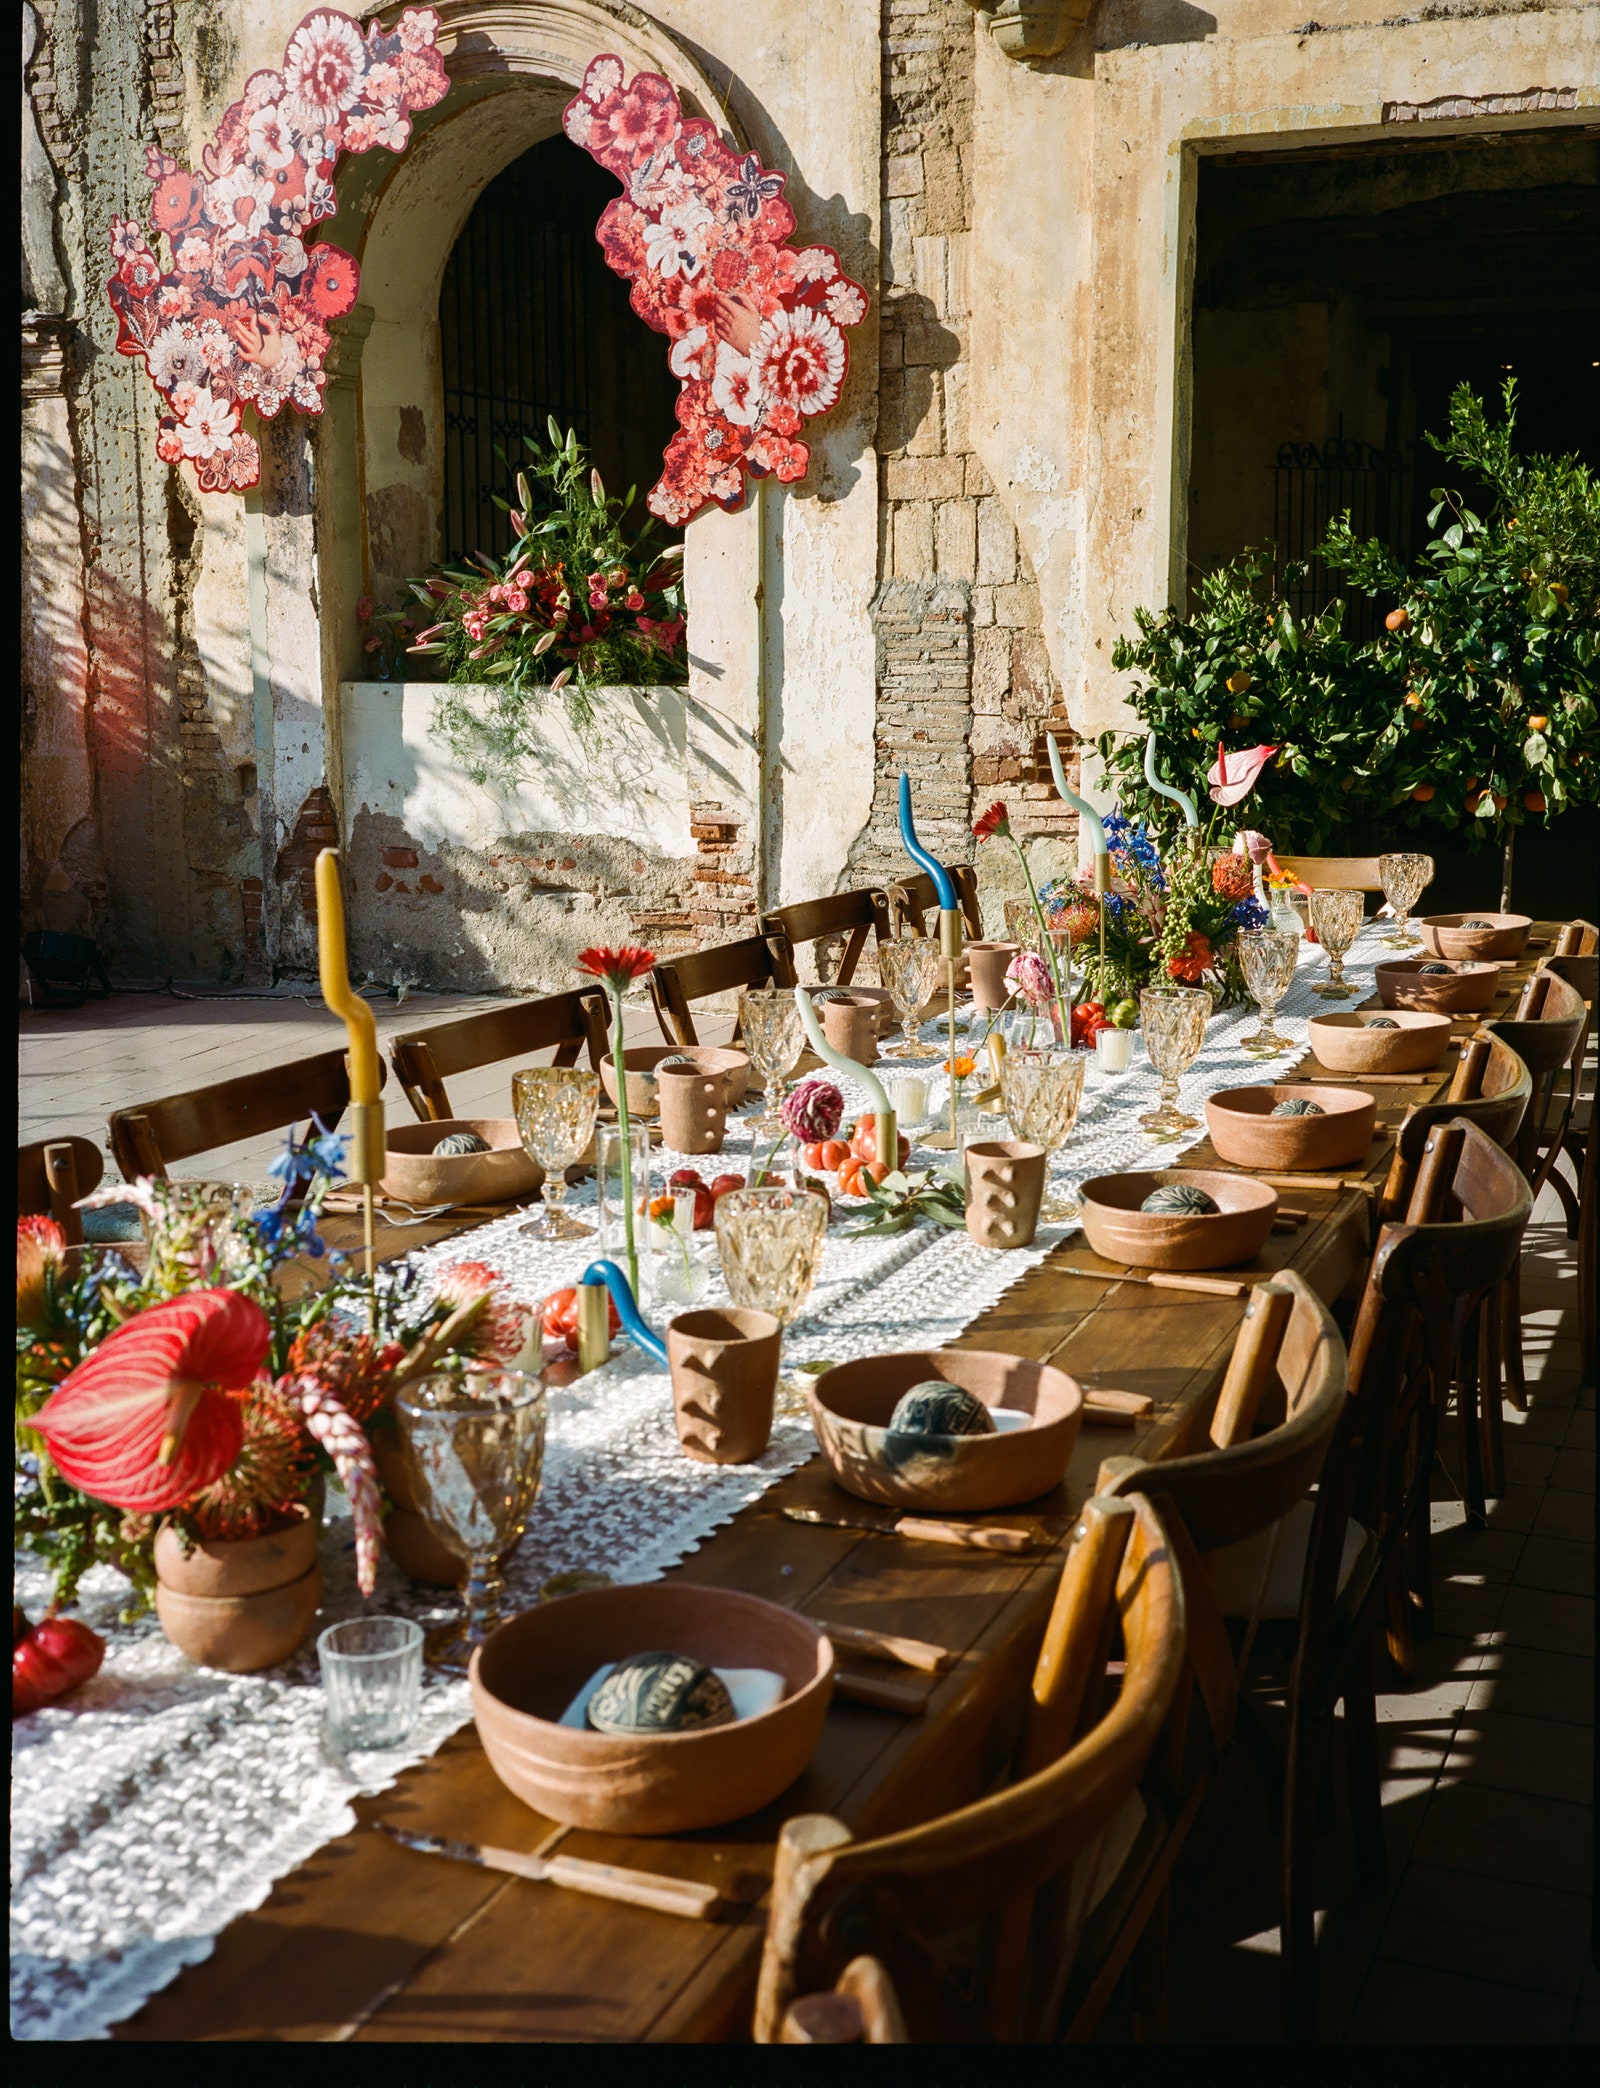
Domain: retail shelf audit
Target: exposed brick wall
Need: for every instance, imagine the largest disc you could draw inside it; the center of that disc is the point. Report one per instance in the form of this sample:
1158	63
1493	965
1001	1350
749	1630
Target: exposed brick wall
722	896
314	830
964	681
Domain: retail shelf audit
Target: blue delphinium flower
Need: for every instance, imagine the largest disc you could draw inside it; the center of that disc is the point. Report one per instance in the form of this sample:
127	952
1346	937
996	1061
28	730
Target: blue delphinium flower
1247	914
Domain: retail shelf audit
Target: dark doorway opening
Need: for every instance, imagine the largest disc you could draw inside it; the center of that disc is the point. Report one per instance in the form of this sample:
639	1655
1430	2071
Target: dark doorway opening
532	323
1341	295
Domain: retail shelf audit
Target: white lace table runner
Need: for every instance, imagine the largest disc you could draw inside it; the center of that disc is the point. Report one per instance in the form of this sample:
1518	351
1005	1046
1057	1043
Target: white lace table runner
162	1800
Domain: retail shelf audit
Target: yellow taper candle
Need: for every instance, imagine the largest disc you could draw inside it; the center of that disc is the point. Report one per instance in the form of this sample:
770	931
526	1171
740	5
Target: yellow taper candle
367	1147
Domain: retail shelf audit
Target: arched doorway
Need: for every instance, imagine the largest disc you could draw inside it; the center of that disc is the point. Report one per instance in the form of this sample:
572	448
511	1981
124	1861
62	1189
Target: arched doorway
533	325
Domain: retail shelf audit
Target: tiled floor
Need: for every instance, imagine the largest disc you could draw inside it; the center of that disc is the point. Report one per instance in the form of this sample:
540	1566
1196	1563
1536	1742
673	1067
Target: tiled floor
1484	1934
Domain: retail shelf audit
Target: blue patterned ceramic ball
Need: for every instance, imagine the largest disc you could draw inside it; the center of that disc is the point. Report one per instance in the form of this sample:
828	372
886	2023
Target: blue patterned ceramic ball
937	1409
459	1142
660	1693
675	1061
1298	1105
1179	1200
1477	924
1383	1022
831	993
1433	970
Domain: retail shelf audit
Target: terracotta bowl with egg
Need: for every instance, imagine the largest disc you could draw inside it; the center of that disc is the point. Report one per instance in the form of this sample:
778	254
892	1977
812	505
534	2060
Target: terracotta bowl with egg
1460	988
1363	1041
414	1173
1476	937
1236	1231
1247	1131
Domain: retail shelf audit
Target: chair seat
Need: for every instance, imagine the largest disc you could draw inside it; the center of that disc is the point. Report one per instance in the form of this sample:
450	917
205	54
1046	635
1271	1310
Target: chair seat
1236	1570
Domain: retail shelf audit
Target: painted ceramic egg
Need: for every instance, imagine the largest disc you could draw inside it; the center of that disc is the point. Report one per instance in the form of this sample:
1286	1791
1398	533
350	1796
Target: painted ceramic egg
458	1142
1383	1022
937	1409
1179	1200
832	993
660	1693
1298	1105
1477	924
1435	970
675	1061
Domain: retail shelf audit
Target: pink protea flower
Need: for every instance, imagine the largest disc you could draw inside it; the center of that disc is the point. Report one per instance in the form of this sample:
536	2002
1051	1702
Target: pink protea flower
341	1435
813	1111
503	1333
1028	975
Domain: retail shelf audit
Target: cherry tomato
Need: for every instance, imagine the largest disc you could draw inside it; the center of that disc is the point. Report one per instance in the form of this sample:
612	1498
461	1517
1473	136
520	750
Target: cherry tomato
864	1145
721	1184
50	1659
856	1170
686	1178
829	1154
561	1316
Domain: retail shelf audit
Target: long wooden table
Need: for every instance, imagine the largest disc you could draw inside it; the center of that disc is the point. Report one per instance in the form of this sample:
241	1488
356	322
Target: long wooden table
370	1941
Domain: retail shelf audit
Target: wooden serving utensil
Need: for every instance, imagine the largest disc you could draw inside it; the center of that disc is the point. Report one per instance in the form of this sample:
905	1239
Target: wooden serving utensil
882	1692
1207	1286
682	1896
974	1536
883	1645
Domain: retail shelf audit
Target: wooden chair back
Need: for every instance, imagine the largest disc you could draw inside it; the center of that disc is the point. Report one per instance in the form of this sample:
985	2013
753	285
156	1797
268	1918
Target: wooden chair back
755	960
912	899
1578	939
1549	1040
1333	873
52	1175
904	1897
1505	1088
424	1060
862	2009
854	915
150	1136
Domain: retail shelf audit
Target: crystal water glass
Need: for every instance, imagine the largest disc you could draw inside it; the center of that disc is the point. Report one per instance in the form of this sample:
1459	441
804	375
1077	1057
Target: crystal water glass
773	1036
1173	1019
474	1448
555	1111
770	1243
612	1201
1042	1091
1336	916
1267	959
909	969
1405	878
371	1681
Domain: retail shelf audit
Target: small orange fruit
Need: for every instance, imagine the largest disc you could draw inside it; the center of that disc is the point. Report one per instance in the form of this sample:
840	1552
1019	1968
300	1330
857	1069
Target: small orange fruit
1540	724
1472	799
1558	590
1422	793
1499	801
1397	619
1471	783
1413	700
1533	800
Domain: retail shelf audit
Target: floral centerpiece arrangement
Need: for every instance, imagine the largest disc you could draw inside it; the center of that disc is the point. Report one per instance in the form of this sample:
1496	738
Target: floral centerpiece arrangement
199	1395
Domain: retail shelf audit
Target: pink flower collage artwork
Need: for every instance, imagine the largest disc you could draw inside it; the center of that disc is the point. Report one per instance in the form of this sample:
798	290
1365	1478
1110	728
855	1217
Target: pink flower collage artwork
241	315
756	325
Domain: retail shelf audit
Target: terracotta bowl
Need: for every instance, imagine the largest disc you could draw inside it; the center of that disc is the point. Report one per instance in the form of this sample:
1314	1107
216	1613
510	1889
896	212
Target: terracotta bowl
851	1405
1466	989
527	1673
1246	1133
1115	1227
641	1061
416	1174
1349	1044
241	1634
1504	937
242	1566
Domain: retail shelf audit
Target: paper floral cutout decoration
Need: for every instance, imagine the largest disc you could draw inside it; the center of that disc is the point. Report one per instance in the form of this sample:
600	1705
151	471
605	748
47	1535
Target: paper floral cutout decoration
241	315
756	325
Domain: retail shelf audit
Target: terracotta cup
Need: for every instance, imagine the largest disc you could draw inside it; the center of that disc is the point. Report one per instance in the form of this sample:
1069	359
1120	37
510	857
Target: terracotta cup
1005	1183
239	1605
724	1366
851	1026
694	1109
990	961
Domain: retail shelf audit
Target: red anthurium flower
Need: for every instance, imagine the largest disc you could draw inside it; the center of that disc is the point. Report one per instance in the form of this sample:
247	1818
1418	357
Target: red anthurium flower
147	1419
1234	776
997	820
616	969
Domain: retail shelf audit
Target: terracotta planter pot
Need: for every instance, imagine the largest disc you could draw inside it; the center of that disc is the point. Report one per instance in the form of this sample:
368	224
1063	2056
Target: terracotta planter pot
1503	939
694	1109
724	1365
851	1405
1236	1231
641	1060
416	1174
1005	1186
1466	989
1247	1134
851	1026
1350	1044
668	1783
989	962
239	1606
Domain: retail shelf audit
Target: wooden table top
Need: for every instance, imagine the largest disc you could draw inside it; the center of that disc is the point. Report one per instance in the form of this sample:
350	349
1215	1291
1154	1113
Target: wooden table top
370	1941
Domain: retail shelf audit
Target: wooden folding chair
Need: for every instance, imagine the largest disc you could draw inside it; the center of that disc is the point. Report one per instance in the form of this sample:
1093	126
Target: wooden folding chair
755	960
1578	939
1023	1861
1333	873
52	1175
424	1059
912	899
151	1136
1582	971
854	915
862	2009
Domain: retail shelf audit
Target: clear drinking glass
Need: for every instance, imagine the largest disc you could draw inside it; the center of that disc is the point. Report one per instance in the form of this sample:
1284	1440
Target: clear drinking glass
909	968
1267	959
1405	879
1336	916
371	1681
609	1193
555	1110
1173	1019
1042	1091
770	1242
474	1449
773	1036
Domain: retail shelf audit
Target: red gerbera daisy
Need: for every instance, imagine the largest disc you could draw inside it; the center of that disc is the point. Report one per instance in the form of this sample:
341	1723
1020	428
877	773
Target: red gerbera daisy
616	969
997	820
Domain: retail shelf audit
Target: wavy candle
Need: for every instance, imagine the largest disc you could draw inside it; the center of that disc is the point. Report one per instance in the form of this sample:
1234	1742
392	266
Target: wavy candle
606	1275
1180	798
334	970
942	881
1093	824
880	1103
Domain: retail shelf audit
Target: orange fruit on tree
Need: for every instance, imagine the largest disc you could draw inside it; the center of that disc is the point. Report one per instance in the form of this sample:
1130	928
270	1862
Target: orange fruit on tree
1471	783
1533	800
1397	619
1499	801
1422	793
1471	800
1413	700
1540	724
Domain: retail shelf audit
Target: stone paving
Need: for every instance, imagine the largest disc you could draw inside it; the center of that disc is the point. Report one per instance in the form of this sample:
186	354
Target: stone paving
1484	1935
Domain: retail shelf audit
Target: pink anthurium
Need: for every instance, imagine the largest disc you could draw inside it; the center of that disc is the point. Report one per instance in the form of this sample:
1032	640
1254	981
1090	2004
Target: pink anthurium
1233	779
1257	846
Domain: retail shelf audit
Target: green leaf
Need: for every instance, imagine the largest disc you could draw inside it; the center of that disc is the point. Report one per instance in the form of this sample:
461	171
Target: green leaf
1535	750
